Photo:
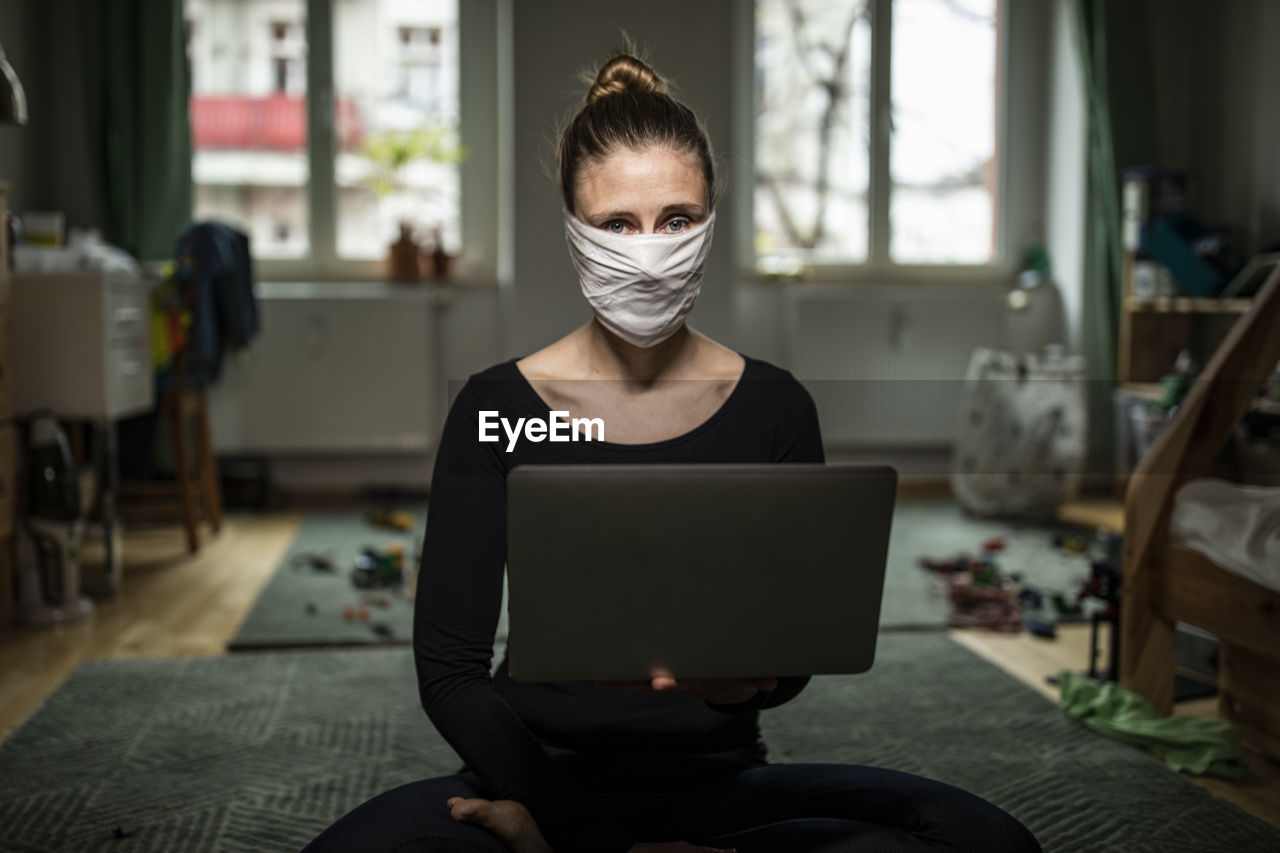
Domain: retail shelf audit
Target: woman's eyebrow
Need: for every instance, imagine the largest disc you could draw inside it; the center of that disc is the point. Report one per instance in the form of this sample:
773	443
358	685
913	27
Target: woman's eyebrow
694	211
602	218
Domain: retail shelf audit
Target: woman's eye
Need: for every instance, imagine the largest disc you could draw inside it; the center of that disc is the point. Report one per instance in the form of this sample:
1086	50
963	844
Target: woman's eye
617	226
677	225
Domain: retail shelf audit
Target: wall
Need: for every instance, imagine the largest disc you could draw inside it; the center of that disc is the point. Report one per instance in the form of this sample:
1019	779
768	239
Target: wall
53	162
17	149
1215	110
1235	130
1264	217
553	41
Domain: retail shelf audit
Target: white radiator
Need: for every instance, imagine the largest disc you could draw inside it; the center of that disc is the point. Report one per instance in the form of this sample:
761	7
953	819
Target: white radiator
885	364
338	369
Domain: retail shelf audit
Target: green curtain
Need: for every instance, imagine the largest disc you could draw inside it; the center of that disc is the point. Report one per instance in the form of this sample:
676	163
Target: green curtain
145	86
1113	43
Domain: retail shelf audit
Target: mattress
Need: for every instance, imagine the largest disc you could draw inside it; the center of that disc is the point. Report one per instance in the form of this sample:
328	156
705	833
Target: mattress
1238	527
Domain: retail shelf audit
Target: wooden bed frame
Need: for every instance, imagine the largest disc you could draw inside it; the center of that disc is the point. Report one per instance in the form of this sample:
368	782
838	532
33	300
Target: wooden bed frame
1167	582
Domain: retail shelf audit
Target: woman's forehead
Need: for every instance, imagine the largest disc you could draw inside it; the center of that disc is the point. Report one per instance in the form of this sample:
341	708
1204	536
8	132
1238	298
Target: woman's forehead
651	177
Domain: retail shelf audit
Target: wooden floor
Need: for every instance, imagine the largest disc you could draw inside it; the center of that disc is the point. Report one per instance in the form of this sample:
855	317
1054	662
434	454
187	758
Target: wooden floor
1032	659
170	605
174	605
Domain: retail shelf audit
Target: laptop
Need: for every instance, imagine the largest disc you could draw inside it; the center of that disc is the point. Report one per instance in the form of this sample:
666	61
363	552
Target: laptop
709	570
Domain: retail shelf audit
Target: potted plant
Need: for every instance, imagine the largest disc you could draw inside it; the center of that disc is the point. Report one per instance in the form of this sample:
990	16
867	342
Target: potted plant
390	154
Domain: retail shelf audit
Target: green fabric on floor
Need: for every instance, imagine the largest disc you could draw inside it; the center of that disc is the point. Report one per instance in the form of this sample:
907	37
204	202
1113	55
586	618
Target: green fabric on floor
1191	744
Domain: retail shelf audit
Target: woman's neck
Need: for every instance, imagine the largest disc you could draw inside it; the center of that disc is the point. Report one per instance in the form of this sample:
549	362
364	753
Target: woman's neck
613	358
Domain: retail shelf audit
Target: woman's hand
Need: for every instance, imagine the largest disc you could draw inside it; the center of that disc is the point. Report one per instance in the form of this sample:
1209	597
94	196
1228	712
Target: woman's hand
677	847
509	820
718	691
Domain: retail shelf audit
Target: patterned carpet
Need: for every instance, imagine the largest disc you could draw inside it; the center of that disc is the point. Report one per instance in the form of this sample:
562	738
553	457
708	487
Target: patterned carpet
261	751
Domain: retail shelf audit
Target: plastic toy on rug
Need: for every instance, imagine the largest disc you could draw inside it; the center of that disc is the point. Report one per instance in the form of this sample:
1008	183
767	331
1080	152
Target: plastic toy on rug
378	568
980	594
316	561
391	519
975	604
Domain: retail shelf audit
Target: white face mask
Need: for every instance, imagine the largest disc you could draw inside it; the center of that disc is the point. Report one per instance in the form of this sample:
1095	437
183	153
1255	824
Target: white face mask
642	286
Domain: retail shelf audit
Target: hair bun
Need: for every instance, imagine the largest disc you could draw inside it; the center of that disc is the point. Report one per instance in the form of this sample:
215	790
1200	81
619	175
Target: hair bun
625	73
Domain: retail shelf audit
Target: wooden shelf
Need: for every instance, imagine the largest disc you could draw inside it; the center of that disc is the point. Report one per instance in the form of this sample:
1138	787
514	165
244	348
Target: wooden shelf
1187	305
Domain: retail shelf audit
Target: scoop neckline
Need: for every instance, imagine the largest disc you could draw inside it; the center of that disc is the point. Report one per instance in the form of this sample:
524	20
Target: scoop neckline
715	416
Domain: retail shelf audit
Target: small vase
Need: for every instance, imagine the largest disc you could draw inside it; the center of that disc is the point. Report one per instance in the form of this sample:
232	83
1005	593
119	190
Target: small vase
439	262
403	259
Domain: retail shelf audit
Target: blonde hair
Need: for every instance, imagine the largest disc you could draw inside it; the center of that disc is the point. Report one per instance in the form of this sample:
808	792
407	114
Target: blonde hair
625	73
628	105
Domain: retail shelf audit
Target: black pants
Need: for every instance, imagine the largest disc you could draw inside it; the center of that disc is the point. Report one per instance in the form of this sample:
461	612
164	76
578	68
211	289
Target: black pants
767	808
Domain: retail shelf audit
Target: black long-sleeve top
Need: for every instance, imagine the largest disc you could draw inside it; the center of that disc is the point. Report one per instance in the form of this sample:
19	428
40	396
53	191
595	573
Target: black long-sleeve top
504	729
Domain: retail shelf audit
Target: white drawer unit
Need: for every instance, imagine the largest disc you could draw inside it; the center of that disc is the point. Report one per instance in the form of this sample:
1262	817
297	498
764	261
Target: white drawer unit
82	344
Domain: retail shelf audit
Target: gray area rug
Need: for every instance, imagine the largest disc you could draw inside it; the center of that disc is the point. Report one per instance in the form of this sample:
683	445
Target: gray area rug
913	597
262	751
917	598
301	607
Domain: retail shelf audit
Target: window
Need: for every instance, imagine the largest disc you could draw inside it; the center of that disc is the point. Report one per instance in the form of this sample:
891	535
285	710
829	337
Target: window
397	158
877	133
387	150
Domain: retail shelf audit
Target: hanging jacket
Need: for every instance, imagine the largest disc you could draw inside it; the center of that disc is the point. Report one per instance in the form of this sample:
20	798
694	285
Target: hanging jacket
214	264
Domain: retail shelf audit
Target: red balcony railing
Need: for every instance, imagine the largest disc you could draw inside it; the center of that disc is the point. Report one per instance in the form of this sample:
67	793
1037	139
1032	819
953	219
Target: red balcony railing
273	123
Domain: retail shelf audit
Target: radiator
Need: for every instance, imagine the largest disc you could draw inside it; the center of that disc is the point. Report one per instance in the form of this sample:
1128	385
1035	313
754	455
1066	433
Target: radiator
885	364
338	369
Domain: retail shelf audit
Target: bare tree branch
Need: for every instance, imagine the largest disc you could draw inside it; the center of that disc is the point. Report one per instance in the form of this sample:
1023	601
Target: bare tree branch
834	88
797	37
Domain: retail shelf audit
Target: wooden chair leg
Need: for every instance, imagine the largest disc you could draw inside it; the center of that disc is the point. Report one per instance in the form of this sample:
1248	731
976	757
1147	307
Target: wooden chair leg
182	472
210	488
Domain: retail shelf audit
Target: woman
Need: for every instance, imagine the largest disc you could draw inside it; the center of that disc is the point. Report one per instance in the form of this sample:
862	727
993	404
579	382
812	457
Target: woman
665	765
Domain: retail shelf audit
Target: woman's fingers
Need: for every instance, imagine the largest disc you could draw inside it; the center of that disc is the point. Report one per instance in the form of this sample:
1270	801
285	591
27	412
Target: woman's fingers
663	681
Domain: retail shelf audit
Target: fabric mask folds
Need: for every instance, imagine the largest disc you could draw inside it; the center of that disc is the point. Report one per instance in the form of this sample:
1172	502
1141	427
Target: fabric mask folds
642	286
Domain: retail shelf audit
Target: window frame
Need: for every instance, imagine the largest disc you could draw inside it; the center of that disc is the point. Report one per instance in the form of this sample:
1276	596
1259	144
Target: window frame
1016	216
480	260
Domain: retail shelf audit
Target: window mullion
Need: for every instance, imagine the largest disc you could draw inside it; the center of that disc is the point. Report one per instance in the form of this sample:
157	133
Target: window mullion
881	135
321	188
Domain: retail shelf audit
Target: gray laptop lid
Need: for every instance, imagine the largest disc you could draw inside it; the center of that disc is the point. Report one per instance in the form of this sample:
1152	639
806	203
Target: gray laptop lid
711	571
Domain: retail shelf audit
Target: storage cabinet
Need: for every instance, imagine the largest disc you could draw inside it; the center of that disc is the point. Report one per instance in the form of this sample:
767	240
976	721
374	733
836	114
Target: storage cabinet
82	348
83	344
